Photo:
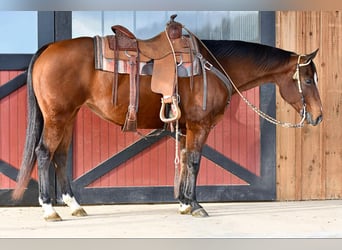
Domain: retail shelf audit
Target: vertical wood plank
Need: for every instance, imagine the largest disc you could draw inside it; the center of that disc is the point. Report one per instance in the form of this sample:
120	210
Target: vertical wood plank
78	145
22	115
104	148
311	163
13	127
4	129
285	138
330	82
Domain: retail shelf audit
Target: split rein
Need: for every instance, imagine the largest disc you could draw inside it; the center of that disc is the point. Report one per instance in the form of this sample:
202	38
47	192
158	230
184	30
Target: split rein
272	120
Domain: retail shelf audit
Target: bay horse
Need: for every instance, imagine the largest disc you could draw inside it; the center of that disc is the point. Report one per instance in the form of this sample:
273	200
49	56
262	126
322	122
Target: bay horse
62	78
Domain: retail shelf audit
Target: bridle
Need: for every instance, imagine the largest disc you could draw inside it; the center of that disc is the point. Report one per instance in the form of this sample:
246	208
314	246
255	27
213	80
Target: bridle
303	112
296	76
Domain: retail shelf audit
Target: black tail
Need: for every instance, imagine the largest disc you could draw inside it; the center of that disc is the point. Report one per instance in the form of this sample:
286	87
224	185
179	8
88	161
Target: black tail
33	133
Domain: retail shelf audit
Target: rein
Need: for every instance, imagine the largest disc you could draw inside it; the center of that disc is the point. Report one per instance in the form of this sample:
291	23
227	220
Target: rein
265	116
270	119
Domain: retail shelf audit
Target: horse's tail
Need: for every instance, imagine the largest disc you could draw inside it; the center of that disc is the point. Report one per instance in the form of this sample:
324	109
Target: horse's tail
33	133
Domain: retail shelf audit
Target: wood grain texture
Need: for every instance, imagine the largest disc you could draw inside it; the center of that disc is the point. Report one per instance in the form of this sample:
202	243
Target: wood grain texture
309	159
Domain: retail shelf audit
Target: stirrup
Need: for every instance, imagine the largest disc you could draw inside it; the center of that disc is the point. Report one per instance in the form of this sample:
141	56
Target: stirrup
175	111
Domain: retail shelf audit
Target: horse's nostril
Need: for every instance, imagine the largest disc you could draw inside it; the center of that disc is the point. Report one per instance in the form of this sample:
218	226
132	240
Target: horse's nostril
319	119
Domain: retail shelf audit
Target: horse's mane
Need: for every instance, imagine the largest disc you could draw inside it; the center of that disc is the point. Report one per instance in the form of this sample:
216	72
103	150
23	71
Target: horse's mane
265	57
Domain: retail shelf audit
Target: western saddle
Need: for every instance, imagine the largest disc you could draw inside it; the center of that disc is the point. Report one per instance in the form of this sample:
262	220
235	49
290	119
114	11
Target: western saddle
163	56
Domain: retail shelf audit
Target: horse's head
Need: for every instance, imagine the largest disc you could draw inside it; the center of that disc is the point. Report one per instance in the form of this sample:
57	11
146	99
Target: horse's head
301	90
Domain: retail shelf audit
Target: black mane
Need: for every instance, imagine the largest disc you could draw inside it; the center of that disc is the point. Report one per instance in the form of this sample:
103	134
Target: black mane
265	57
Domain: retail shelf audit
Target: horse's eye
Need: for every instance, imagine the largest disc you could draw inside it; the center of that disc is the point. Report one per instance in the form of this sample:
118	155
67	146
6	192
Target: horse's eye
308	81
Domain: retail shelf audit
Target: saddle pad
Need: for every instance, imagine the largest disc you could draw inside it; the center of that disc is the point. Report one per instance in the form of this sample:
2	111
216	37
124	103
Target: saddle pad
104	57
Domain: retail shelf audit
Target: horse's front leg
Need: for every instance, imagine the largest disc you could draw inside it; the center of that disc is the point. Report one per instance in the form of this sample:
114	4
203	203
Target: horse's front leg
190	165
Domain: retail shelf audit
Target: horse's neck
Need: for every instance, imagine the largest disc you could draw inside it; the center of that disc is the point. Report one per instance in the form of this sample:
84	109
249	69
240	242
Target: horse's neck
249	76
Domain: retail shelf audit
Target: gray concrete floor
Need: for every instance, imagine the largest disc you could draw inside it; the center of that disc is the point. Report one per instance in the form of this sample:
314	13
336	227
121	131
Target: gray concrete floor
305	219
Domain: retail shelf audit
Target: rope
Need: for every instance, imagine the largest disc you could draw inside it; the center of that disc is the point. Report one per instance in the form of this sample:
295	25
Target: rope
176	161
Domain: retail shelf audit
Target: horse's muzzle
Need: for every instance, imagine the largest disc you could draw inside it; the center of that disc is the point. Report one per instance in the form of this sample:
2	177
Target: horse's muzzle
313	121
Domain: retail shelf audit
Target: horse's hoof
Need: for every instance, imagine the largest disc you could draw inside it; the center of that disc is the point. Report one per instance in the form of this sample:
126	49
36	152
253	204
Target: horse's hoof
184	209
53	217
80	212
200	213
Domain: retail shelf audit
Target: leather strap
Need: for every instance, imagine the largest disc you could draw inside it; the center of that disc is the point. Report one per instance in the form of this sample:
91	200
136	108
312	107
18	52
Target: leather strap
131	118
116	72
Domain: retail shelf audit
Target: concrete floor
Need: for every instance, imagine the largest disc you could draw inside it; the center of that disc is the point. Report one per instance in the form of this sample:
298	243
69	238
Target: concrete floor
305	219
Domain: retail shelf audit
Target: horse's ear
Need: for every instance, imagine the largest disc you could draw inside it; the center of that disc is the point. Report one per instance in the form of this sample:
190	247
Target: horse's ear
311	56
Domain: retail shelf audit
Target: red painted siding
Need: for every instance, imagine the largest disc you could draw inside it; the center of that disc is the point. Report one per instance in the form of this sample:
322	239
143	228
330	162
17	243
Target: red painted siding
13	113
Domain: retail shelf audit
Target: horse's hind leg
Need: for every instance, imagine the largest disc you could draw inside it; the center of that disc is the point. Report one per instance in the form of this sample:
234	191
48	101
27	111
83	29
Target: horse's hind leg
67	194
52	148
44	155
60	158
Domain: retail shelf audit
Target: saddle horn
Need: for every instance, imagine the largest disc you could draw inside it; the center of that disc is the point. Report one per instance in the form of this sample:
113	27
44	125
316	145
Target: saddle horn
174	29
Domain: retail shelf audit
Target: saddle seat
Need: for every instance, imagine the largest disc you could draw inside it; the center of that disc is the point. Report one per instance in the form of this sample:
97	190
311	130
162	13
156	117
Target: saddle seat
155	48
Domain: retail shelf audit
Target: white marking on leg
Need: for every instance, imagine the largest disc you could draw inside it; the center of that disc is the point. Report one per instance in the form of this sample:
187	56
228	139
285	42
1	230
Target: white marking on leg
71	202
47	208
184	208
